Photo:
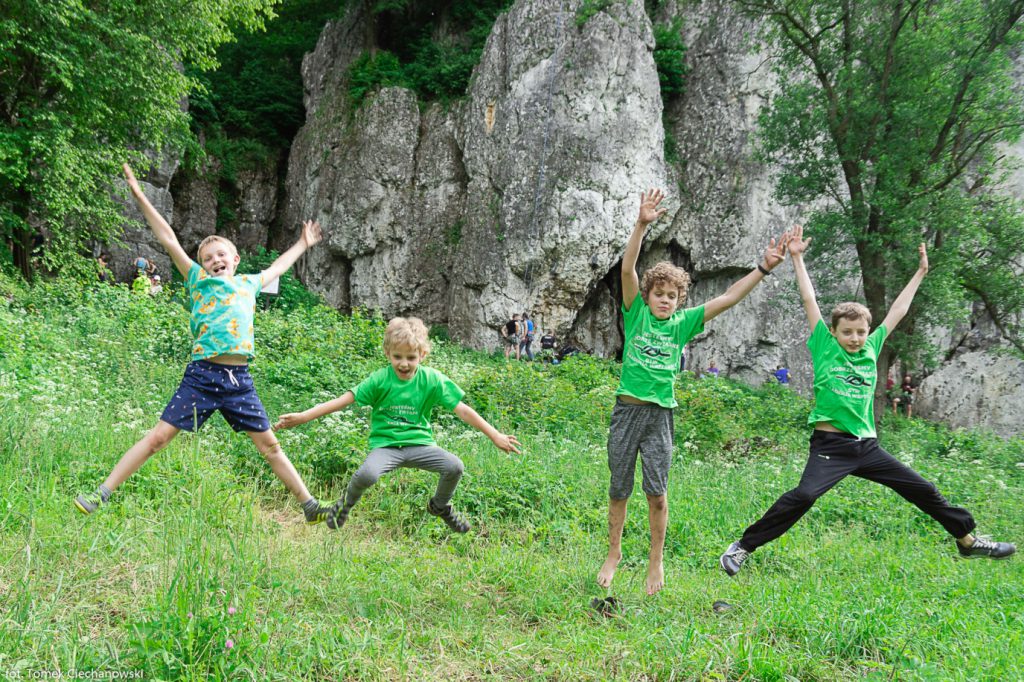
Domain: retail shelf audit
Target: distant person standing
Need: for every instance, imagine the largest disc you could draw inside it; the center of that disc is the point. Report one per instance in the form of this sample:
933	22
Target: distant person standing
526	342
782	375
712	369
103	273
907	394
511	333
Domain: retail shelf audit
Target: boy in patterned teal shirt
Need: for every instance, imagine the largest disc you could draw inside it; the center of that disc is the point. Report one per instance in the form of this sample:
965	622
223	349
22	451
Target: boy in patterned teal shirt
223	307
656	331
402	396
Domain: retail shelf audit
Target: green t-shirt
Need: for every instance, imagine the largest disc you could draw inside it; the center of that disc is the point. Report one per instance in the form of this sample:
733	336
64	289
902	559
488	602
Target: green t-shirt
650	358
844	383
401	409
223	309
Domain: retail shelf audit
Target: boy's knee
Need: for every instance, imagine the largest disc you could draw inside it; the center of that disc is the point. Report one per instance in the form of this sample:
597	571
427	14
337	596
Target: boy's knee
364	478
657	502
802	496
158	440
455	468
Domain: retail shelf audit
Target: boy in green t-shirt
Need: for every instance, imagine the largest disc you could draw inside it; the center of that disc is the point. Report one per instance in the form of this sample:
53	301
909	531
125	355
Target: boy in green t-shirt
402	396
844	356
655	333
217	378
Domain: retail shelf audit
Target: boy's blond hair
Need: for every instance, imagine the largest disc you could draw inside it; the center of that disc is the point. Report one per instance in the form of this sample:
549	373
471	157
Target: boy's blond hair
850	310
215	238
669	274
407	331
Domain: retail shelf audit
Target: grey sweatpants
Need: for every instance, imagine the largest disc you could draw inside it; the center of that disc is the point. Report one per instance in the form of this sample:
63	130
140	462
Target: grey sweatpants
428	457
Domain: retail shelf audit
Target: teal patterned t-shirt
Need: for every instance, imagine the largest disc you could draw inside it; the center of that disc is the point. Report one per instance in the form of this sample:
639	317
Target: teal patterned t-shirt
223	309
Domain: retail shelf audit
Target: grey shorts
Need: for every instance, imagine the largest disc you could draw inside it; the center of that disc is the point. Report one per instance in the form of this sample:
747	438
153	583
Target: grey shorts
647	429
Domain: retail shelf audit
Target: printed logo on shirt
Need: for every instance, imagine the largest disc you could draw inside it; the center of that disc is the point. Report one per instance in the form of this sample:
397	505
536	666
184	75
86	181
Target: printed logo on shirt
654	351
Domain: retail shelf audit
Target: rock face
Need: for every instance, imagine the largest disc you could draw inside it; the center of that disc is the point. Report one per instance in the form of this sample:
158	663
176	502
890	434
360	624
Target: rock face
521	196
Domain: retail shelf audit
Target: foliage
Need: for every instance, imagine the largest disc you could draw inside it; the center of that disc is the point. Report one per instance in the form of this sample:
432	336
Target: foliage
670	58
890	117
202	545
291	293
589	9
430	47
87	85
256	92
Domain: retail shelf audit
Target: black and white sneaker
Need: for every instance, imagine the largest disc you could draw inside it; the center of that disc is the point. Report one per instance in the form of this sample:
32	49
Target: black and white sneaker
984	547
337	515
732	561
449	516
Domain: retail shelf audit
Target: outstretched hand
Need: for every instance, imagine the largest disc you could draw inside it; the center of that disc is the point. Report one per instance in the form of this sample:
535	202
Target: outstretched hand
311	233
797	243
133	184
776	251
649	211
923	264
287	421
506	443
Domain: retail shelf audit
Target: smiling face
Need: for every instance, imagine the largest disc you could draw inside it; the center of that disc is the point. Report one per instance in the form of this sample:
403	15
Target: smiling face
405	360
219	258
851	334
662	299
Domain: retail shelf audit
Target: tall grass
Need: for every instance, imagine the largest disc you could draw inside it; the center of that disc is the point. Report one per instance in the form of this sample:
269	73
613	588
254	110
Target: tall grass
204	546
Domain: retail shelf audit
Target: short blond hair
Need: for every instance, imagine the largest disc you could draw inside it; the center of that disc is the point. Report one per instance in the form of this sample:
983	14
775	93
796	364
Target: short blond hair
850	310
669	274
215	238
407	331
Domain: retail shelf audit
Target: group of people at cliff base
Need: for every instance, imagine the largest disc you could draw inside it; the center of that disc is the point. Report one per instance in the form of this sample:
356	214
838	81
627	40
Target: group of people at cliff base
404	391
518	334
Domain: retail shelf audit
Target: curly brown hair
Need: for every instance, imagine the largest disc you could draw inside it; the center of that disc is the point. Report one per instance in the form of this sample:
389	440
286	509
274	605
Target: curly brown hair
669	274
850	310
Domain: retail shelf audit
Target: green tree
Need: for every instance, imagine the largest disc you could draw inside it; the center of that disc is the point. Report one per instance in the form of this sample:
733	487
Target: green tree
85	86
889	118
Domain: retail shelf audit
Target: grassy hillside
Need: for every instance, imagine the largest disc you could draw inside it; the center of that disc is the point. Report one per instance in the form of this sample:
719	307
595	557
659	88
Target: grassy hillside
865	587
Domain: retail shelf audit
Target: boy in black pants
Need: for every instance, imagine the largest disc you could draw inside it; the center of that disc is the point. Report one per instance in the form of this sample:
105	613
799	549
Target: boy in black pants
844	442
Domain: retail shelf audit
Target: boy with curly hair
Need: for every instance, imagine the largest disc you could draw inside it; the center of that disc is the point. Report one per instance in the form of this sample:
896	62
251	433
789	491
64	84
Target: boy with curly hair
656	331
402	396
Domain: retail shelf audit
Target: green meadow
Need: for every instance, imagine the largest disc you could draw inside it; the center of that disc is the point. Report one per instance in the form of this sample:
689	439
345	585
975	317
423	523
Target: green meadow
201	568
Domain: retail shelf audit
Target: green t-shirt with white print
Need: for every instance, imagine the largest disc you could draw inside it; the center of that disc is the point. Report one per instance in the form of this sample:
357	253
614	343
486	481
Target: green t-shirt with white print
401	409
844	382
651	356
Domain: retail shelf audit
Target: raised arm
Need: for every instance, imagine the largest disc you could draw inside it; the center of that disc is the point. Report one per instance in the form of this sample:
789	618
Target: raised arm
649	212
287	421
773	255
797	246
902	303
473	418
162	231
311	234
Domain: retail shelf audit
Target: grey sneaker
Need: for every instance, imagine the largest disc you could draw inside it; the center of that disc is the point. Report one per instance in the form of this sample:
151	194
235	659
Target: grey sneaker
87	503
984	547
449	516
732	560
337	515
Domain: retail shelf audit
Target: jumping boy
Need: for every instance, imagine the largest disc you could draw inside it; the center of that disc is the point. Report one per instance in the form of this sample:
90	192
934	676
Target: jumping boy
402	396
217	378
843	443
642	418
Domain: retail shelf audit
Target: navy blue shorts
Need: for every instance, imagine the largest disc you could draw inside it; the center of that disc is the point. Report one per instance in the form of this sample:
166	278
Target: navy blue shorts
208	387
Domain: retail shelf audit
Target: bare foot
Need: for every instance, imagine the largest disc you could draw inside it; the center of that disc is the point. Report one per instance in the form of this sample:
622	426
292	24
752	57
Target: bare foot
607	572
655	578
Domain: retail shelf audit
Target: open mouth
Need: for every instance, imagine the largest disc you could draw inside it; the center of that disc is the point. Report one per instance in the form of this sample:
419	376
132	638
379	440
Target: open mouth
218	269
